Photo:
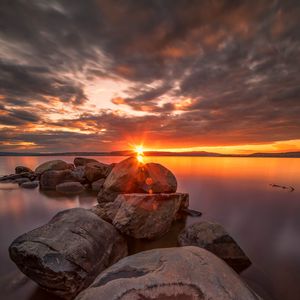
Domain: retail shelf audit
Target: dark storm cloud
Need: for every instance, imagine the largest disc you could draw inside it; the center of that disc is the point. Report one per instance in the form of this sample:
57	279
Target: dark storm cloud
238	61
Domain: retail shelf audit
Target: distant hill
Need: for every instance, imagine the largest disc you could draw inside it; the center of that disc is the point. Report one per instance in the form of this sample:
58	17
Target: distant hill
153	153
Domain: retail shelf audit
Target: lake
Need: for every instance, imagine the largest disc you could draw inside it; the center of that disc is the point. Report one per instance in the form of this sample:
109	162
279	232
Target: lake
235	192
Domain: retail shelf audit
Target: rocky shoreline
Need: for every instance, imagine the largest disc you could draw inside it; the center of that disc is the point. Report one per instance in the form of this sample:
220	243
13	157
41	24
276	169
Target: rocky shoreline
82	254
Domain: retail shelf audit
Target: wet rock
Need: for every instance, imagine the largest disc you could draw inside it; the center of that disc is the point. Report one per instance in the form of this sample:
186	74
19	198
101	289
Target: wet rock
145	216
30	184
173	273
22	169
96	171
214	238
70	188
14	177
97	185
131	176
65	255
50	179
52	165
82	161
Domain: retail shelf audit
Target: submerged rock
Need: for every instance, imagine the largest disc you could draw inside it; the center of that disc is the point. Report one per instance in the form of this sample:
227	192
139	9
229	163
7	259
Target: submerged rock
30	184
65	255
50	179
131	176
21	180
70	188
82	161
52	165
214	238
22	169
173	273
96	170
143	215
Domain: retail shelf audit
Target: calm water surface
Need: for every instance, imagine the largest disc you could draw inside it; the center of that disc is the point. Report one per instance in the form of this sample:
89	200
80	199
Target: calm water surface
235	192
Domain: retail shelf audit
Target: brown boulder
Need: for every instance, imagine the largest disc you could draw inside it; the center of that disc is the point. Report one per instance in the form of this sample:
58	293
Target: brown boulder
168	274
65	255
131	176
50	179
82	161
70	188
95	171
214	238
52	165
145	216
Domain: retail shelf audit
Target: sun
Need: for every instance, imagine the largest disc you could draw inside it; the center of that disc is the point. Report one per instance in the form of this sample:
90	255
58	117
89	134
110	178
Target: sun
139	150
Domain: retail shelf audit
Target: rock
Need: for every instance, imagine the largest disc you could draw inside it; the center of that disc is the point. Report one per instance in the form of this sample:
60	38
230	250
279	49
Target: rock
65	255
22	169
95	171
215	239
78	173
52	165
192	212
22	180
143	216
30	184
14	177
131	176
172	273
70	188
82	161
97	185
50	179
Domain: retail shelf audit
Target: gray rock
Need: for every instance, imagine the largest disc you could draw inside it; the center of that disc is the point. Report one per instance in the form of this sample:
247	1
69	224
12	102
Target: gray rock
50	179
82	161
65	255
143	216
214	238
30	184
22	169
78	173
95	171
173	273
131	176
97	185
22	180
52	165
70	188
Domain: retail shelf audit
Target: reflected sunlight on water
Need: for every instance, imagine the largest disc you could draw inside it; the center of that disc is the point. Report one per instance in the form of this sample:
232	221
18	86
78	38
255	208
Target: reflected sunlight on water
235	192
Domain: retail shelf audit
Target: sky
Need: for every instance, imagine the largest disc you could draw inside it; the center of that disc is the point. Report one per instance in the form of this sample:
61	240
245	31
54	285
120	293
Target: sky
103	75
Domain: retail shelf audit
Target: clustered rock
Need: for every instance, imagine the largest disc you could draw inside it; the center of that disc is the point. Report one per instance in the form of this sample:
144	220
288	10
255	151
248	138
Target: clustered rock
82	253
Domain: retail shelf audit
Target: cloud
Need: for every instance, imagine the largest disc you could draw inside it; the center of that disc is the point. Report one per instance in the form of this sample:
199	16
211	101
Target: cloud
197	72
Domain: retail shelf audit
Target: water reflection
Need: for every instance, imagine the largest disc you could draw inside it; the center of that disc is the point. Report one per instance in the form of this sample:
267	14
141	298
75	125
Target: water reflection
235	192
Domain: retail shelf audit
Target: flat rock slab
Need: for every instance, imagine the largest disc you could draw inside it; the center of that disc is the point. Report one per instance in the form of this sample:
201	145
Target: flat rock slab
144	216
185	273
65	255
214	238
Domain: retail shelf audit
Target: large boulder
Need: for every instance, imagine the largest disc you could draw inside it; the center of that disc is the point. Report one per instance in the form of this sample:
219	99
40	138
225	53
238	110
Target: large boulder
82	161
50	179
65	255
95	171
79	174
131	176
214	238
52	165
144	216
173	273
97	185
70	188
22	169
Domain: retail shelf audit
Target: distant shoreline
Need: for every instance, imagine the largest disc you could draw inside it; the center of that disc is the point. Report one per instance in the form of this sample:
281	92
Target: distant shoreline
157	153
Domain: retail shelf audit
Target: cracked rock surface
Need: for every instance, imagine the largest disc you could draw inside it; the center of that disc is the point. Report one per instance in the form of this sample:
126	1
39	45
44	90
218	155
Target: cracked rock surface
172	273
65	255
